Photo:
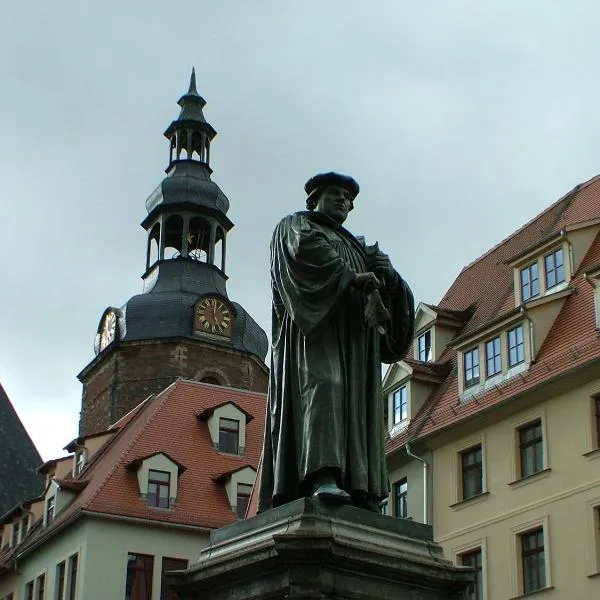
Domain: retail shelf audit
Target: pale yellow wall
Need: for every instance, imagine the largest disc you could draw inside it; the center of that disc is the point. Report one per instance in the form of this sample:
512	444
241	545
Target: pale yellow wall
442	336
228	411
562	497
158	462
581	240
103	547
93	444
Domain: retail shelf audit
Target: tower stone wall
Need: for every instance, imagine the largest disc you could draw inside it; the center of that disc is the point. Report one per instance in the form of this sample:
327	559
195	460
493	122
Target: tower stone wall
136	370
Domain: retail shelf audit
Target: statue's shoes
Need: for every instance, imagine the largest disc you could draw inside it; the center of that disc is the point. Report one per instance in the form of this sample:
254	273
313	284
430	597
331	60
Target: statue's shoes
330	491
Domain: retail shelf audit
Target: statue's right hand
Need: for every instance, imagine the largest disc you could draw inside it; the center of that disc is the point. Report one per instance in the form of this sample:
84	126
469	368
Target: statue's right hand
364	281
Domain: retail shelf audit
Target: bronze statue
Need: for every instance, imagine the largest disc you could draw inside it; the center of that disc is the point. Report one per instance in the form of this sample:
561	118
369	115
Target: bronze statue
339	310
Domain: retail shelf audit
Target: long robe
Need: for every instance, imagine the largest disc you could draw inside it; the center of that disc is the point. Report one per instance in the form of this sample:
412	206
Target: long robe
325	407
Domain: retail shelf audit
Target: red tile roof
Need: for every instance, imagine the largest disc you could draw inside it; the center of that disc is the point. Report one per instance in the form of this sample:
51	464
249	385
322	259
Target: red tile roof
167	423
488	284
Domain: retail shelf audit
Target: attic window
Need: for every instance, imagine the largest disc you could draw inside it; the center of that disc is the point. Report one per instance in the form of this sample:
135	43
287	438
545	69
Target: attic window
471	366
400	404
493	357
554	268
80	457
530	281
229	435
516	346
424	346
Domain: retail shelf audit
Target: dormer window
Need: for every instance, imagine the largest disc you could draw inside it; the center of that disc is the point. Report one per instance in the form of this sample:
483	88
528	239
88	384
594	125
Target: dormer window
471	366
80	458
49	514
15	534
157	476
158	488
227	424
554	268
530	282
493	357
400	404
243	498
516	346
424	346
229	435
24	527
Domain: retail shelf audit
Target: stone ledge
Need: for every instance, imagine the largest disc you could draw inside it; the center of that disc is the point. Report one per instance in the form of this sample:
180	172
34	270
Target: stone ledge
312	549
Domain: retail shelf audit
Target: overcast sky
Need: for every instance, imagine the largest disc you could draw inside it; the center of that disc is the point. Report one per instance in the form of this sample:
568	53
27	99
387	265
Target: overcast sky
461	120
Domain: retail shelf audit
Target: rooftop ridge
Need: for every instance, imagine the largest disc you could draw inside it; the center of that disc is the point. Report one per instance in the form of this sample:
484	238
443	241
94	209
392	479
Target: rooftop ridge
569	195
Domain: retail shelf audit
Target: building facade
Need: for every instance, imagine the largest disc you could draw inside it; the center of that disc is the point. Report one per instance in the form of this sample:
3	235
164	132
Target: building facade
494	417
137	500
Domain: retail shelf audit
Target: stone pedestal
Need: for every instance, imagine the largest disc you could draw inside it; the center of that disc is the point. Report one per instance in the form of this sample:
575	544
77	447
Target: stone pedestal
312	549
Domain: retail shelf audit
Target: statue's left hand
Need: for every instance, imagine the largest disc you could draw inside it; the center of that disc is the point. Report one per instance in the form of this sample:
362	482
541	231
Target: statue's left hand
382	266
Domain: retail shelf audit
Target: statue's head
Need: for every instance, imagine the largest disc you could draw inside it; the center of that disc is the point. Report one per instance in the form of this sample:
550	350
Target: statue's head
332	194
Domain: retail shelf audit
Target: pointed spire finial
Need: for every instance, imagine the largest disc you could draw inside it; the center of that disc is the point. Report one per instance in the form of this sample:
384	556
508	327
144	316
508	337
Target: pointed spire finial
193	89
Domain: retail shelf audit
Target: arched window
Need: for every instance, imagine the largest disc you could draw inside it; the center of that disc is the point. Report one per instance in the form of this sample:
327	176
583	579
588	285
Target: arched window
220	249
199	239
173	236
211	380
153	243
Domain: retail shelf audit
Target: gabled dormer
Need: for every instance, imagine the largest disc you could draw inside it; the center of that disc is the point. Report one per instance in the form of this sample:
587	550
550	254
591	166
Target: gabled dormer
435	328
83	449
406	387
505	346
546	267
238	487
227	427
157	476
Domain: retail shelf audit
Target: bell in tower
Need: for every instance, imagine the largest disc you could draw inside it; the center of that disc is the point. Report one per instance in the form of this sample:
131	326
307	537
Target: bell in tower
183	324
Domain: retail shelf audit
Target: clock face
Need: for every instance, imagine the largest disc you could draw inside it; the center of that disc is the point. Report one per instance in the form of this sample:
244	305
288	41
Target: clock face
109	328
213	316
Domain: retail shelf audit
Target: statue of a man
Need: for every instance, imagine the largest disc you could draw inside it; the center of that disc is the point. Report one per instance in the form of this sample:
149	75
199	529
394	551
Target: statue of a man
339	310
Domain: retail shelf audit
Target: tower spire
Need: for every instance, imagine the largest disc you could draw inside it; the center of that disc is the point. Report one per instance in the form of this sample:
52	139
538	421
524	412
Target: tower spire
192	89
190	134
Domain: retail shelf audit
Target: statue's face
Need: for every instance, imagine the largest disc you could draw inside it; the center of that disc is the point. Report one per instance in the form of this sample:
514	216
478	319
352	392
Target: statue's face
335	202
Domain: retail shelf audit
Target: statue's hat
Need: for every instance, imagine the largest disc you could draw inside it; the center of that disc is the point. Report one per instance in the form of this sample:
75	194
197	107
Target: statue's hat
324	179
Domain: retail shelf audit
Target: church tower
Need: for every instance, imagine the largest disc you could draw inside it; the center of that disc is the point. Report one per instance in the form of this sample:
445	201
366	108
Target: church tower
183	324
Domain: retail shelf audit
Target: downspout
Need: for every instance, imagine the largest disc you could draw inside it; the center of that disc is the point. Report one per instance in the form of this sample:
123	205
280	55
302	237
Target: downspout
425	482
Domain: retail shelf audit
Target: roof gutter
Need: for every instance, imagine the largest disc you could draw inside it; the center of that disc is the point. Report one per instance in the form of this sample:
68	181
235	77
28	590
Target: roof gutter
425	483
